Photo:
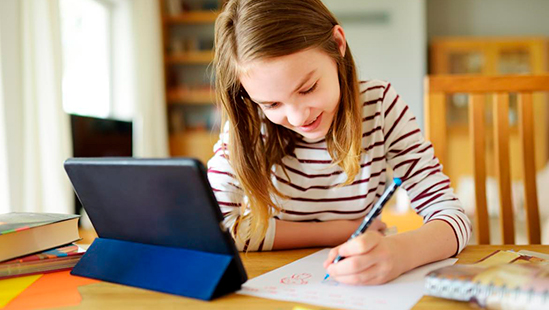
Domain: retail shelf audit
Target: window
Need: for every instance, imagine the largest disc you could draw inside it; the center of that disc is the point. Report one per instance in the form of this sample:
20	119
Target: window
87	57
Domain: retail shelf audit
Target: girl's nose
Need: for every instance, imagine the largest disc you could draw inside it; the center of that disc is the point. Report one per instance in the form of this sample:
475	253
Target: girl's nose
297	115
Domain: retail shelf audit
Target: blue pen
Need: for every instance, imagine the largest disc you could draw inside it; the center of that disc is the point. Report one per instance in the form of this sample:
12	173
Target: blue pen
374	212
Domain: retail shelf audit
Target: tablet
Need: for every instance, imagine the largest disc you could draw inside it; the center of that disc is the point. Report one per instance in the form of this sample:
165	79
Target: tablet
165	202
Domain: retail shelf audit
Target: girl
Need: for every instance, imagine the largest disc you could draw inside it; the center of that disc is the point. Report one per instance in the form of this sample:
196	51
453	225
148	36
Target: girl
306	147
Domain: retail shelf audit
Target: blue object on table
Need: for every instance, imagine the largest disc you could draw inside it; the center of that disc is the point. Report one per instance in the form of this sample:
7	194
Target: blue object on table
159	226
176	271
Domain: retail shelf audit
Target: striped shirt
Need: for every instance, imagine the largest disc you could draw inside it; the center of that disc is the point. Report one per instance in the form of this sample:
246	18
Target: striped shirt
391	139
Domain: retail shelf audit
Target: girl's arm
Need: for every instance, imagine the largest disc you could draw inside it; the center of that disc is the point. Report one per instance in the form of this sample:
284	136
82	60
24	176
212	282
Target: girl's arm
374	259
291	235
431	242
412	159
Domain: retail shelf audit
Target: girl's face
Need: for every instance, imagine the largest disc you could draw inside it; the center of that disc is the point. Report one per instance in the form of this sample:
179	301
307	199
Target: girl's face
299	91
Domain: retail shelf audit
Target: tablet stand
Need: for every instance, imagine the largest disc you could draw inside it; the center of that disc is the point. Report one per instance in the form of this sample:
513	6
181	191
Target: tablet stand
171	270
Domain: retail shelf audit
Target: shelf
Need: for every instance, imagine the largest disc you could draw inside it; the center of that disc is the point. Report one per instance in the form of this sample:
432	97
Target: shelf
184	96
198	144
187	36
198	57
196	135
197	17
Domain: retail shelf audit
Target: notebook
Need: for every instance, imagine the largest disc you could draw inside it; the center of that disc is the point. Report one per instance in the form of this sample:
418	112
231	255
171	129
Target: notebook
504	279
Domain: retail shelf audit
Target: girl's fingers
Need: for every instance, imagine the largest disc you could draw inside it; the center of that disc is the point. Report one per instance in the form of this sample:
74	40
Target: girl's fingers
361	244
369	276
331	256
369	259
352	265
357	246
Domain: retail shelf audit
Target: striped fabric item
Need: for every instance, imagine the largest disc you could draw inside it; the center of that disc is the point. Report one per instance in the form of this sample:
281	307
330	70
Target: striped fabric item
391	139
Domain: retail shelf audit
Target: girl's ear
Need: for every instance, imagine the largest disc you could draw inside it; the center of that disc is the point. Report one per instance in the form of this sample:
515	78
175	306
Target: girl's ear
339	37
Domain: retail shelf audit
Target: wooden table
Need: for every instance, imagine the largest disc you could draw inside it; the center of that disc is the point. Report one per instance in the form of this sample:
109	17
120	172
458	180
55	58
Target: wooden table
112	296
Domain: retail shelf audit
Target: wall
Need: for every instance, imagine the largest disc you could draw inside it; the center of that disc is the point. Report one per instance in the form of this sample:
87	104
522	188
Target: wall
388	41
487	18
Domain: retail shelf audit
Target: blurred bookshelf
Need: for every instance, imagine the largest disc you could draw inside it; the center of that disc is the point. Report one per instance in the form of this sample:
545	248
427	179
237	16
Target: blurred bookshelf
196	17
188	36
490	56
190	57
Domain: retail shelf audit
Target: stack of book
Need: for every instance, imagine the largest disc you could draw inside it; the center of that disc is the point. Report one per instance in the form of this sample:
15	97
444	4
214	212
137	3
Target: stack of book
32	243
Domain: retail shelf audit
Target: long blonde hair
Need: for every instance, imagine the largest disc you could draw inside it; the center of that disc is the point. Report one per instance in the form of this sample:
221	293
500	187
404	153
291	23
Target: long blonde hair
248	30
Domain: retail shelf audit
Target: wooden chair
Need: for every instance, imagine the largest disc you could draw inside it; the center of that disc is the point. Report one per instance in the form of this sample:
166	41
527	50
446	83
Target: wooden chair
436	90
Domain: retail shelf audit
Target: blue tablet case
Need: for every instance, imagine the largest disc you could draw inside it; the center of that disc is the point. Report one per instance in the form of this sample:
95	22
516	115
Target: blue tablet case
178	271
159	226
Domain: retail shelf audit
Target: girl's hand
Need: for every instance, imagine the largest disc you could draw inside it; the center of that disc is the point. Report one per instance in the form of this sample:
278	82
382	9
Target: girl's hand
370	259
377	225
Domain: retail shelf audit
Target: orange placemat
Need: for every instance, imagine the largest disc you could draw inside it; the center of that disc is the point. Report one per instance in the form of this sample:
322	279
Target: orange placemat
58	289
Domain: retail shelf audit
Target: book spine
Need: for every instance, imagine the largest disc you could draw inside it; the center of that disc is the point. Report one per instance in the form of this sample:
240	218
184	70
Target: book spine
490	295
450	289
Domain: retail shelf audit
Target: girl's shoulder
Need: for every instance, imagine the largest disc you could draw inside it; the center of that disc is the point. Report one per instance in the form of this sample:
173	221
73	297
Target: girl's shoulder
372	89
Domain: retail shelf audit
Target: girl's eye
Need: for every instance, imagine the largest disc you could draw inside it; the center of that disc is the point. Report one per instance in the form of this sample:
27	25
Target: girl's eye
310	90
270	106
274	105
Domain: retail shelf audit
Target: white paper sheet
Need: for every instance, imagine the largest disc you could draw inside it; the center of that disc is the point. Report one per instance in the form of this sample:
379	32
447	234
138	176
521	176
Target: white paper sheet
303	281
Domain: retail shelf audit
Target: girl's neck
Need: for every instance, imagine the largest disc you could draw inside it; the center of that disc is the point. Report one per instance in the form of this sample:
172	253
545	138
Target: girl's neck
316	140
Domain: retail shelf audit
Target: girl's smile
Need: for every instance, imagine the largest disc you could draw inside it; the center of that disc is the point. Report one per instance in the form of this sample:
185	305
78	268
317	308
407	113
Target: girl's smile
311	126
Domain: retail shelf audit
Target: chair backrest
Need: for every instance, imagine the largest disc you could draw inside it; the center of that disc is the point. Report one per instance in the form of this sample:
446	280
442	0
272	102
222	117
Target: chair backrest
436	90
